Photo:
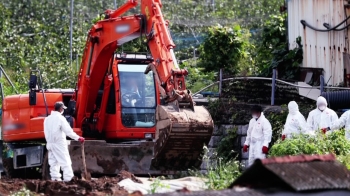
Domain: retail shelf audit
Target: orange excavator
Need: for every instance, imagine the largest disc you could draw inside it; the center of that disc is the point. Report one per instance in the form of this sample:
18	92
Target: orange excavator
134	109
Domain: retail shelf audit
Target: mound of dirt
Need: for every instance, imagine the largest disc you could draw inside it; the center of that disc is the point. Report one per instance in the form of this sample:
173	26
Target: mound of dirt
97	187
127	175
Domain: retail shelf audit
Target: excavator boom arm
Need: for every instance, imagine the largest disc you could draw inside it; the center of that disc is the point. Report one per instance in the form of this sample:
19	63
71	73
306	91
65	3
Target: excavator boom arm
170	78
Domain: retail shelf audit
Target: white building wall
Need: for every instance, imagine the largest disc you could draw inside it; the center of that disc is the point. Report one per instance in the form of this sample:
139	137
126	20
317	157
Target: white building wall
321	49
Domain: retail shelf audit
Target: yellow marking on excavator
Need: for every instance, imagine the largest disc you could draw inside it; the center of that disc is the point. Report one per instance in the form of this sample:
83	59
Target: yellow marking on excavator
147	12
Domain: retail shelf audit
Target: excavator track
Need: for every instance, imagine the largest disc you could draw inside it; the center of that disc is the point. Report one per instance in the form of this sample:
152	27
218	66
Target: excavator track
180	137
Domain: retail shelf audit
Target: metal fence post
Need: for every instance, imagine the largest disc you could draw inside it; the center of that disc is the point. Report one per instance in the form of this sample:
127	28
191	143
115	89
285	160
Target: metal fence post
220	83
273	87
321	84
77	62
1	87
71	31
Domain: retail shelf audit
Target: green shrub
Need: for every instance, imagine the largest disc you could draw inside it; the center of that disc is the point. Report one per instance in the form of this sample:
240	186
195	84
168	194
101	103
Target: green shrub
219	174
277	120
226	148
334	142
345	160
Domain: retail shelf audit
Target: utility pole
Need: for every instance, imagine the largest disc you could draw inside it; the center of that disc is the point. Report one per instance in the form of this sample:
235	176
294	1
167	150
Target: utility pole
76	58
71	31
1	87
194	56
115	4
220	82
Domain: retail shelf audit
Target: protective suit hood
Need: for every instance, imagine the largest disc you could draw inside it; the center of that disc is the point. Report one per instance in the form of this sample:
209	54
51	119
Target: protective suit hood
295	122
323	117
321	100
293	108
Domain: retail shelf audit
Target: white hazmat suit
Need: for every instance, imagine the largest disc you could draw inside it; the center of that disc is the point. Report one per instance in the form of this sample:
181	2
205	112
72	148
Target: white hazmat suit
318	119
344	120
295	123
258	135
56	128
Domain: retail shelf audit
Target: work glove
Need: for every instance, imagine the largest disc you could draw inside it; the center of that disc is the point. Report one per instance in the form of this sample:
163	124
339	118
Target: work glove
81	140
324	130
265	149
245	148
283	137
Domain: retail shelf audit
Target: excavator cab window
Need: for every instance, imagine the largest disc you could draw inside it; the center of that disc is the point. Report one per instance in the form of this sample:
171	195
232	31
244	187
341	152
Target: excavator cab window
138	96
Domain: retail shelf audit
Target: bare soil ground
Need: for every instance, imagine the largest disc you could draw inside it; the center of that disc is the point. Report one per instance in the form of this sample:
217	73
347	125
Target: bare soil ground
101	186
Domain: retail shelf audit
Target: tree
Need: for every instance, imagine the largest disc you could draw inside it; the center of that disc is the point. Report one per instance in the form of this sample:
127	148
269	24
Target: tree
196	78
273	36
35	34
223	48
273	50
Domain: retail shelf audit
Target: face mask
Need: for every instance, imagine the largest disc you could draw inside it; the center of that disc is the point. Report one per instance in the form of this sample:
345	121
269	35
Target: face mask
292	112
255	116
322	107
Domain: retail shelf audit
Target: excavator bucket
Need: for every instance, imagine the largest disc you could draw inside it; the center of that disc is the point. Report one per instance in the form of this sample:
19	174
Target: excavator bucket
107	158
180	137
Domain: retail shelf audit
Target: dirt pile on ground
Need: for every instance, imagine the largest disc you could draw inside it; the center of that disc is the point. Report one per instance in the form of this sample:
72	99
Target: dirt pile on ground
127	175
100	186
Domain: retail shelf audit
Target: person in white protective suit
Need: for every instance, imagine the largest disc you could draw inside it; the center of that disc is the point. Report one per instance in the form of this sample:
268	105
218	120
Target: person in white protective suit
295	123
344	120
258	136
56	128
321	117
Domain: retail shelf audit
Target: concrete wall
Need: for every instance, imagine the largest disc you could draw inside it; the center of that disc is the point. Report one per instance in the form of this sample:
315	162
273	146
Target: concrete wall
219	134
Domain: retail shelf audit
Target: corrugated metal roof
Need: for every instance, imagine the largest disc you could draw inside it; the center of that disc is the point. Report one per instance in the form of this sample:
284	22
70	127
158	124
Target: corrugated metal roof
298	173
312	175
321	49
299	158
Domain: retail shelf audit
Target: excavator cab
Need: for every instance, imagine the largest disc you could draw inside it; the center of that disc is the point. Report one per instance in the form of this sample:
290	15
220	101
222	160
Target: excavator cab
138	96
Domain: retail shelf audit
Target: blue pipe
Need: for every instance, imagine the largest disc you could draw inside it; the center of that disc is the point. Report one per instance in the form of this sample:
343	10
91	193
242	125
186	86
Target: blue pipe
337	99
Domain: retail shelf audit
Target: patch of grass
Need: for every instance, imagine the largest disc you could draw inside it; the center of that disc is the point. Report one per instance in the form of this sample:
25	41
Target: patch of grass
220	174
23	192
157	184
